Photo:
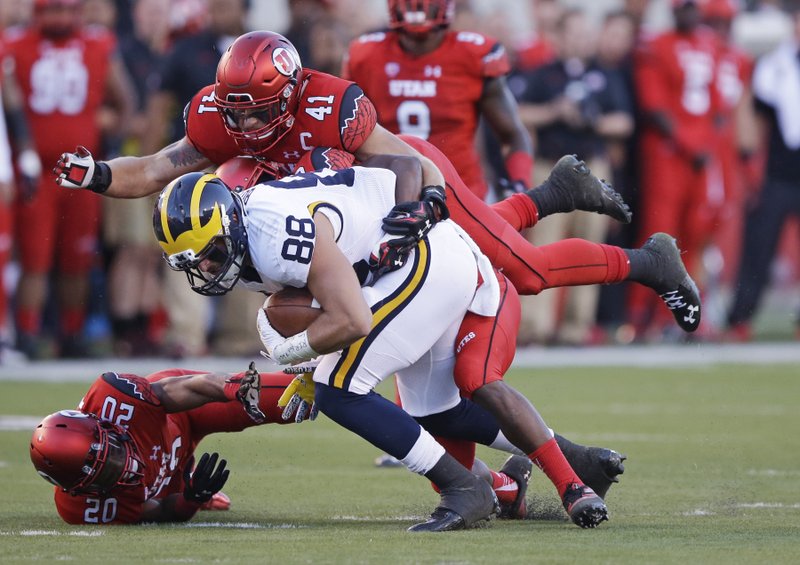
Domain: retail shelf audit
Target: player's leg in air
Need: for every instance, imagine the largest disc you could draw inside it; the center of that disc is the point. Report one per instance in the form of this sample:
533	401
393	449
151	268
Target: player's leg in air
570	262
502	418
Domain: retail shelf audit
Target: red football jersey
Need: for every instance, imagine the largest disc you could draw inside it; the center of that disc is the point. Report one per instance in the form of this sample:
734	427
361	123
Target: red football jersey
332	112
433	96
162	440
675	74
63	83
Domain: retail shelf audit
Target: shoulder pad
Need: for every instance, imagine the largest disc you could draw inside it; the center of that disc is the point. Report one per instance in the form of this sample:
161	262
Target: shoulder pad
133	386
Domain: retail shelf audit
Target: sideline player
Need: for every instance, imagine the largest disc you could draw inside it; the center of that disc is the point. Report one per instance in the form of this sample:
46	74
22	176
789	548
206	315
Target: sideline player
432	82
126	455
312	235
266	105
66	72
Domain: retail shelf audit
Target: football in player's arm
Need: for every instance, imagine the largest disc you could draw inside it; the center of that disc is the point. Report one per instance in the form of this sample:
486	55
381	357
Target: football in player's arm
127	454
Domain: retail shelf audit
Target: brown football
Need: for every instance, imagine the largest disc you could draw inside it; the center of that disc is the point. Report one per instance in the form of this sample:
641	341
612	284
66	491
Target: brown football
289	311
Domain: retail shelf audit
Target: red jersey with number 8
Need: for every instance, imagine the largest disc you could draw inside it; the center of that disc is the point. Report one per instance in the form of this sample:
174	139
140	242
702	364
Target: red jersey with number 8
433	96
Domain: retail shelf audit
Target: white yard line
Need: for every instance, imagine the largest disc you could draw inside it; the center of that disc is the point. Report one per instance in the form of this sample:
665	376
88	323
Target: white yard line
695	355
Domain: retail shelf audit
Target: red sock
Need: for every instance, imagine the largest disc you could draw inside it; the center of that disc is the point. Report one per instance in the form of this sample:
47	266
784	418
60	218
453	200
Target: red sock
72	321
28	321
550	460
504	487
518	210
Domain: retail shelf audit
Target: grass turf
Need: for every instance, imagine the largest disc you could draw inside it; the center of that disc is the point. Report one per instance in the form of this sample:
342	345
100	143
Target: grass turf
712	477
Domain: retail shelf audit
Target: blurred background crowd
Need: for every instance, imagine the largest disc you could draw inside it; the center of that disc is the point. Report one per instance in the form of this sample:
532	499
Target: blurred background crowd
716	164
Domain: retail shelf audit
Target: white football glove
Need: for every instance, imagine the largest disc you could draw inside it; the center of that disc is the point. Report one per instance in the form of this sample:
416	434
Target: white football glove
284	351
269	335
75	170
298	399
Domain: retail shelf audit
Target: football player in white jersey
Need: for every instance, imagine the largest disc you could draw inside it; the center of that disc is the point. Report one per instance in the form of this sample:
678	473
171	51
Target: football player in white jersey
309	231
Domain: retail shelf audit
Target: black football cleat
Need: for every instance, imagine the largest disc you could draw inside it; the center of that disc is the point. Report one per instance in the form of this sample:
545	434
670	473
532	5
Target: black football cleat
581	190
675	287
584	507
461	508
518	467
597	467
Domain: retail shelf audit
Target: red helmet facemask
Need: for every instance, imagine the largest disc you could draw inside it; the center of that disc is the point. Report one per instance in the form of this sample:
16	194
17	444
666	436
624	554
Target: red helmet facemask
257	89
420	16
57	19
84	455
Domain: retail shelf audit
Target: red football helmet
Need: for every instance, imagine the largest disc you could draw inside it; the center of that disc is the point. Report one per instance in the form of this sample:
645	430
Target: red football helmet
241	173
84	455
256	89
420	16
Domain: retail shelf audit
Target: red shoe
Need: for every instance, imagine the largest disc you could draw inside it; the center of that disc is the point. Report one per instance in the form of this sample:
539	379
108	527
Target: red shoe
220	501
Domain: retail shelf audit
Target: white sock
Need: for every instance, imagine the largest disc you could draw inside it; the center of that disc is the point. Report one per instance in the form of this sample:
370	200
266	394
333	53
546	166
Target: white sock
424	455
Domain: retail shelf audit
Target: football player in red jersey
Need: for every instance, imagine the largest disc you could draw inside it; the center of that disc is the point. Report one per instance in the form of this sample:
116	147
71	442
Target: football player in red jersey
266	105
678	99
66	72
126	455
434	83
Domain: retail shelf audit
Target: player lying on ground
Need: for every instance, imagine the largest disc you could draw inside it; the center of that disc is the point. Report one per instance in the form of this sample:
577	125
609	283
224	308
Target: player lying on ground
127	454
265	104
404	323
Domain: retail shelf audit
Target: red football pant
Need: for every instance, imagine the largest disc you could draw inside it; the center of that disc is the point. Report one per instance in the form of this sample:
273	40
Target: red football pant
530	269
58	225
678	200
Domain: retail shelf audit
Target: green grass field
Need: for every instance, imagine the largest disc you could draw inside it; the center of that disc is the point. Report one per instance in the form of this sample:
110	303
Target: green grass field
713	476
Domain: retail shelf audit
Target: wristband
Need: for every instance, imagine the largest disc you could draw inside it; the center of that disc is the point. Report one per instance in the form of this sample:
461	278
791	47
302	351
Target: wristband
294	349
519	166
101	179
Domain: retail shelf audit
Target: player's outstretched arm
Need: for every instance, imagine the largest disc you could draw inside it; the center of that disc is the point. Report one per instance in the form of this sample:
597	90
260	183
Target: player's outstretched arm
129	177
178	394
383	142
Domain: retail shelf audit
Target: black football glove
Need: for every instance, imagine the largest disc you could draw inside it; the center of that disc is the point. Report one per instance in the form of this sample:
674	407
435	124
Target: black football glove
390	255
418	217
249	393
205	481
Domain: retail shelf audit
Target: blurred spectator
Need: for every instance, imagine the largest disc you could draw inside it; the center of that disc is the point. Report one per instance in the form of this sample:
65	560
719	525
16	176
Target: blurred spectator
134	292
681	189
15	12
619	35
539	49
20	171
432	82
572	105
776	88
736	152
304	16
189	65
66	72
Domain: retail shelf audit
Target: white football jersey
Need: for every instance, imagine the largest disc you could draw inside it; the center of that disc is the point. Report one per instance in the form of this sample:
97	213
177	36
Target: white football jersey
280	227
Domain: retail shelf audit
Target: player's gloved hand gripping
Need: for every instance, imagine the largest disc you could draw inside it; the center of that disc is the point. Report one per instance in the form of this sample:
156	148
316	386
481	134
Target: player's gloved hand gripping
283	350
249	392
298	397
80	170
207	479
417	218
